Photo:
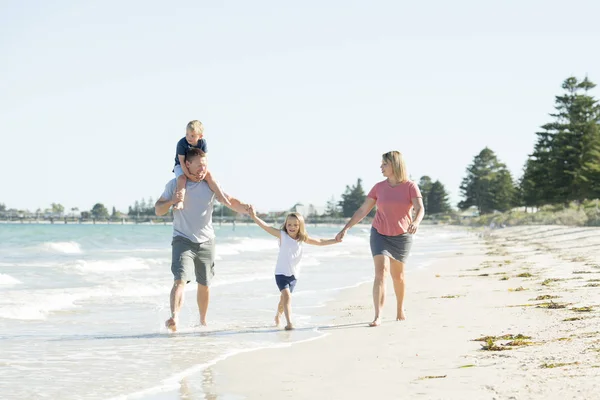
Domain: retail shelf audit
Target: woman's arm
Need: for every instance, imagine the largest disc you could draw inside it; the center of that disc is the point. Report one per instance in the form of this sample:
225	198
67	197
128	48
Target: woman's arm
358	216
420	211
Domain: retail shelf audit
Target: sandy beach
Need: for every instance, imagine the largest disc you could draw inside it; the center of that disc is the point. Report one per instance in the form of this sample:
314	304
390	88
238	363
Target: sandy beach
541	282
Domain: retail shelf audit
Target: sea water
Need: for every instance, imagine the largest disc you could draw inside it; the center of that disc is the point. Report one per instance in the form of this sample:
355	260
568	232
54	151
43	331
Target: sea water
82	307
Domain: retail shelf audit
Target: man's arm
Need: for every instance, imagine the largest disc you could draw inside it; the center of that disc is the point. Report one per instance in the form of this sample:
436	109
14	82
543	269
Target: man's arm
162	205
236	205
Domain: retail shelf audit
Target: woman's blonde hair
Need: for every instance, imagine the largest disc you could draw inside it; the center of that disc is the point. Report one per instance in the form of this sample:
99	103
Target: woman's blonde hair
396	160
302	235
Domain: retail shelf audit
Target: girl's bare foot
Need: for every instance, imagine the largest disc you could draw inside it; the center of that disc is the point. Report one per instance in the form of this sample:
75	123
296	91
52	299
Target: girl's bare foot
289	327
171	324
277	319
376	322
401	316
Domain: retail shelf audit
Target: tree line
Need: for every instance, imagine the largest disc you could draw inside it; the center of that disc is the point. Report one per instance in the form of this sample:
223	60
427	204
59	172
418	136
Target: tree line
563	167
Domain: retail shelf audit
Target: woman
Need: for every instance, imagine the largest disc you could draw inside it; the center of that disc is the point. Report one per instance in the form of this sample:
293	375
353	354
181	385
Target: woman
392	230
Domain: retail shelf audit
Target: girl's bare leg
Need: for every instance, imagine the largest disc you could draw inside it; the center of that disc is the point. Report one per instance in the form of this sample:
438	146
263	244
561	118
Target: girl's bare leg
279	312
286	299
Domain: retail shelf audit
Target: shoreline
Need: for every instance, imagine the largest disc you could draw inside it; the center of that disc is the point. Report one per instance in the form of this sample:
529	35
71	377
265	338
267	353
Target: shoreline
433	354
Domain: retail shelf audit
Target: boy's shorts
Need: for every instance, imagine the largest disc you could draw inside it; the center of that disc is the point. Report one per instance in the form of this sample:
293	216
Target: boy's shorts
191	259
285	282
178	171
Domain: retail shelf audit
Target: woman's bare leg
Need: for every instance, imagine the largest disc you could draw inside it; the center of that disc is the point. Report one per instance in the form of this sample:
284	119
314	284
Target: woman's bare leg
381	266
397	273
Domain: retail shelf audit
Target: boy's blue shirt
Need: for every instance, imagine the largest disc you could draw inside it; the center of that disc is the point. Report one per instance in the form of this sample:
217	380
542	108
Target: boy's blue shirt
183	146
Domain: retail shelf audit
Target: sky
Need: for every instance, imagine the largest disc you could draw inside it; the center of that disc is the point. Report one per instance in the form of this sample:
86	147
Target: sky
298	99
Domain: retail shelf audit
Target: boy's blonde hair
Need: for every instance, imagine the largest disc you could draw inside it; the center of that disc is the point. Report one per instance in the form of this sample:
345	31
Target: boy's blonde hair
302	235
396	160
195	126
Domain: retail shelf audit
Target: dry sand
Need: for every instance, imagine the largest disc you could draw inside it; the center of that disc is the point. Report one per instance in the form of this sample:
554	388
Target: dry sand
464	296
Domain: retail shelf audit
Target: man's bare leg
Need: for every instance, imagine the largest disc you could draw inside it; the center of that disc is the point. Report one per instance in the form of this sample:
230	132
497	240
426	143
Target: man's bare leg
286	301
203	298
176	301
397	272
279	312
381	265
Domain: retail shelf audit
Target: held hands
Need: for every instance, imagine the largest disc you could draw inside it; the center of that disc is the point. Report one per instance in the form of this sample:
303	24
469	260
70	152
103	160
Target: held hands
251	211
412	228
340	236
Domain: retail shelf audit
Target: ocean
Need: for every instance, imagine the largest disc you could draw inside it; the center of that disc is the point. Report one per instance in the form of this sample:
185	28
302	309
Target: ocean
82	307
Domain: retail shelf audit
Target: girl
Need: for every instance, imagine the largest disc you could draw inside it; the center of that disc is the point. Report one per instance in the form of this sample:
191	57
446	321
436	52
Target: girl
291	237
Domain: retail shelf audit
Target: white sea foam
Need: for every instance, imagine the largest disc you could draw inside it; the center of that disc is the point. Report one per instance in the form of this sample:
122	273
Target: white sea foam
245	245
8	280
101	266
38	306
62	247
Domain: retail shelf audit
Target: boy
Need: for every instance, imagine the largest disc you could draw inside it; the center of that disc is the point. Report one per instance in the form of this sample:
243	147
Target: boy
194	133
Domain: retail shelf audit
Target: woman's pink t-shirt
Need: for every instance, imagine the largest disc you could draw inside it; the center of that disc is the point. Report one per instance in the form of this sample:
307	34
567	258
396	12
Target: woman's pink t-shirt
393	206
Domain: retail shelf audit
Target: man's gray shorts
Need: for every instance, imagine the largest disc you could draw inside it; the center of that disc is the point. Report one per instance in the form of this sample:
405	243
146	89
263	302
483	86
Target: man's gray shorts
189	259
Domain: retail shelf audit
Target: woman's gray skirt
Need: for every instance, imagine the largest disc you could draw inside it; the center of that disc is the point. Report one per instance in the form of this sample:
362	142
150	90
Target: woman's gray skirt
396	247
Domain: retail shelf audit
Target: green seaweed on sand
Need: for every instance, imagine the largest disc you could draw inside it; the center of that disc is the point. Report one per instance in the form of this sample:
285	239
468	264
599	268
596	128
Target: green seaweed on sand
546	297
524	275
583	309
558	365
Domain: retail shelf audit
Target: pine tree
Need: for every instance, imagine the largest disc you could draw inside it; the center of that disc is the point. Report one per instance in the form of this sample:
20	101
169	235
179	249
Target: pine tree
565	163
488	184
437	199
352	199
425	184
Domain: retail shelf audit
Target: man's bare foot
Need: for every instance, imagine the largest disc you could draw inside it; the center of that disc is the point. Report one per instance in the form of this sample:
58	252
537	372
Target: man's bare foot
401	316
277	319
289	327
171	324
376	322
178	206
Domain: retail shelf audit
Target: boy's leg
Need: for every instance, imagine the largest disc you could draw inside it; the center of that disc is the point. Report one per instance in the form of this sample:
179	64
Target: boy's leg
216	189
181	180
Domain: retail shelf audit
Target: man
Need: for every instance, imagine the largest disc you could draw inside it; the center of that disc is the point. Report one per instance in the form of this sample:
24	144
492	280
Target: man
193	246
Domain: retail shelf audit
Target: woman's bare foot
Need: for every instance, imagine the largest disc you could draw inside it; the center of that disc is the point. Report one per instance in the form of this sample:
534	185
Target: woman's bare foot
171	324
289	327
376	322
203	323
277	319
401	316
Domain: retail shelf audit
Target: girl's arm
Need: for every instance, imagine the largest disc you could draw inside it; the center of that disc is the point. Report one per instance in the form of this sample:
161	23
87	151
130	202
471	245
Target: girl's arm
362	212
321	242
268	228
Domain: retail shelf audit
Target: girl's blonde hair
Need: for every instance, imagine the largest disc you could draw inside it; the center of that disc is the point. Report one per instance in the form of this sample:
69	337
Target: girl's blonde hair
396	160
302	235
